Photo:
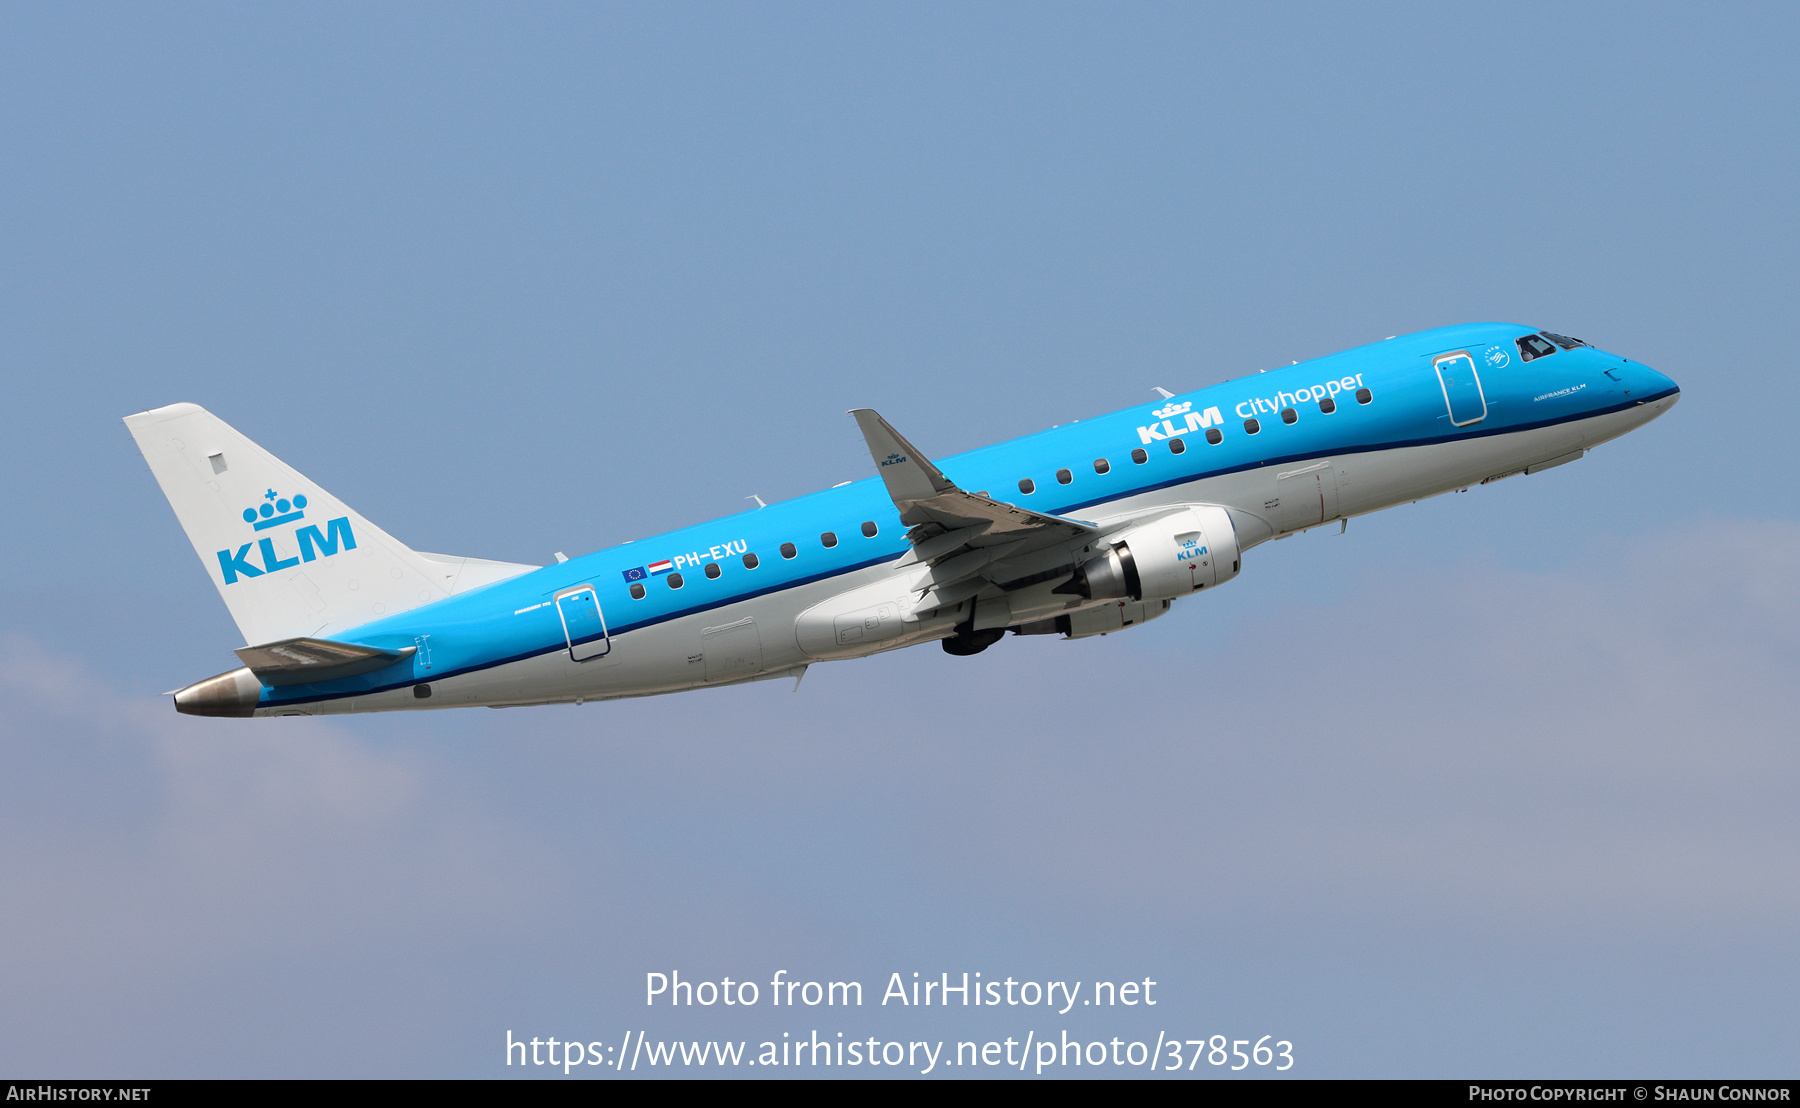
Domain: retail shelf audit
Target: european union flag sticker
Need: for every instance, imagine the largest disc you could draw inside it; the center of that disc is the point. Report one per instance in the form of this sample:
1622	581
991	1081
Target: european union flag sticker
635	574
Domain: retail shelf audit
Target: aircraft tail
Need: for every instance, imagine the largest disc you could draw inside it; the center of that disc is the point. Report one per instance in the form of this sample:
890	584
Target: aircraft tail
288	558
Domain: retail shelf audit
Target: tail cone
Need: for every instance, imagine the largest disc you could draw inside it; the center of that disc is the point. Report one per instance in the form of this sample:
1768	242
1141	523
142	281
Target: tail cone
233	694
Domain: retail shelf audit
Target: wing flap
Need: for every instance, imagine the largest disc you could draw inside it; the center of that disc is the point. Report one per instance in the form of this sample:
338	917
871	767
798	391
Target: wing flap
966	564
948	596
927	550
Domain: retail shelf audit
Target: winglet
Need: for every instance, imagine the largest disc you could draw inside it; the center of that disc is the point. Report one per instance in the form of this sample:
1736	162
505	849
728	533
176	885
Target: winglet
908	474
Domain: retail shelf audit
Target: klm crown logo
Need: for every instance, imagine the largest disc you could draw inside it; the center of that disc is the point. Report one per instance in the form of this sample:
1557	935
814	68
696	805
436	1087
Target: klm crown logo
274	511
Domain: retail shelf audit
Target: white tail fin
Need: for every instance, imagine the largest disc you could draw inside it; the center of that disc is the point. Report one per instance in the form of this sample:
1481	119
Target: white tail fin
289	558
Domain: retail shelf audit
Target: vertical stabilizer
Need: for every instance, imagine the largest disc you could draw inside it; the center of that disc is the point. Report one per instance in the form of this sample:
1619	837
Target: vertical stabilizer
289	558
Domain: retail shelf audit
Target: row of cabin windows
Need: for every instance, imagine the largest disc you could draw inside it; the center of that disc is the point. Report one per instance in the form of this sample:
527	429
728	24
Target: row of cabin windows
828	540
1027	486
1214	436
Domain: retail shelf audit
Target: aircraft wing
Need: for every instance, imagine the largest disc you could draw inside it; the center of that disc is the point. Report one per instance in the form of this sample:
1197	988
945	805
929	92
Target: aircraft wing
965	540
931	503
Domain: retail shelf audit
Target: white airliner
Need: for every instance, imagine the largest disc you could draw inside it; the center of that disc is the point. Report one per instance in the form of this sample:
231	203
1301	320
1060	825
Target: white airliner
1080	530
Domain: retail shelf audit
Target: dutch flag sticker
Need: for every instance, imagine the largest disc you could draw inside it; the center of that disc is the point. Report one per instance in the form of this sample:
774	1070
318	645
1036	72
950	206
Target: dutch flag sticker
663	566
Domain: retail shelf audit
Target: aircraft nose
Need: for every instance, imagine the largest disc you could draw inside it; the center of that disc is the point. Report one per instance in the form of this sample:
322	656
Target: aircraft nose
1653	383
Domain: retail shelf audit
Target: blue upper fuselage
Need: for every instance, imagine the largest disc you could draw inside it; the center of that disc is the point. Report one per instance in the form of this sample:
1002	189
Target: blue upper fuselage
1407	406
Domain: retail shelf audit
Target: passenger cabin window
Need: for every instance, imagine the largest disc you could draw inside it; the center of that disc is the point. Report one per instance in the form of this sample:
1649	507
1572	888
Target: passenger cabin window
751	561
675	581
1327	405
1215	436
1176	446
1251	426
1563	341
712	571
788	550
869	528
1363	396
1063	477
829	538
637	591
1101	465
1139	457
1533	346
1289	415
1027	486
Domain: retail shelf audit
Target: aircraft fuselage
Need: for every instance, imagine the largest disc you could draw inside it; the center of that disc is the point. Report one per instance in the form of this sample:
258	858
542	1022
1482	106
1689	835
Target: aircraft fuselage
839	574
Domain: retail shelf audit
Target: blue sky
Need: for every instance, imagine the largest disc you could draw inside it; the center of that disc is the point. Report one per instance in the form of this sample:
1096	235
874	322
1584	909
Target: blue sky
1498	783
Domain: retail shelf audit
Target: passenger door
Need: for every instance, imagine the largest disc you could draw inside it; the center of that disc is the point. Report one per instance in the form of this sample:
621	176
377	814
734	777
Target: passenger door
583	624
1462	387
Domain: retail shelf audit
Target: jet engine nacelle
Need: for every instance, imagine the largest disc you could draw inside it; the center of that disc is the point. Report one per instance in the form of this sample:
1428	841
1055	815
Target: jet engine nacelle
1169	557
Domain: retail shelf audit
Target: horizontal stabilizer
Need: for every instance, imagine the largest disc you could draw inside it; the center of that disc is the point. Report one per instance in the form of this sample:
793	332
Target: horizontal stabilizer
307	661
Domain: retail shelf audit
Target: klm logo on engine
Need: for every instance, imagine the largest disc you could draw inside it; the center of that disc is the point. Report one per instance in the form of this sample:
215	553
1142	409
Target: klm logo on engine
1191	420
275	511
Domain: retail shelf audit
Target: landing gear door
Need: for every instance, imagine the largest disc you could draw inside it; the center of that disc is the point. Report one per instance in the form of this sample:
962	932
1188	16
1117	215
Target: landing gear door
1304	498
1462	388
583	625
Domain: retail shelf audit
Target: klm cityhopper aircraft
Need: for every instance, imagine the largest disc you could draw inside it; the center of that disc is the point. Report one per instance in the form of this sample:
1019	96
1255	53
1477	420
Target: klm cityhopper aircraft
1076	531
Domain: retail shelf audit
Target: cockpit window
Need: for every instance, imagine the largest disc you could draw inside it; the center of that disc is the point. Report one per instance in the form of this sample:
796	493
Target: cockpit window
1531	346
1563	341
